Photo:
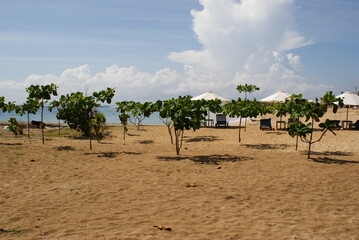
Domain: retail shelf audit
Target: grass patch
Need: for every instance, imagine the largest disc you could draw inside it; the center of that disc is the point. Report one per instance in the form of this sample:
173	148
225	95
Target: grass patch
64	132
4	231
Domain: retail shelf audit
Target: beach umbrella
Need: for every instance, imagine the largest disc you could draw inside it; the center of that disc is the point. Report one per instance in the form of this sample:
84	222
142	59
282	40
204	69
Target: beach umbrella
276	97
279	96
349	99
210	96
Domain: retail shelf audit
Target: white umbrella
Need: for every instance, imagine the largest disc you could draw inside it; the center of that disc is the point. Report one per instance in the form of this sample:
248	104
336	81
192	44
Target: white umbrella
210	96
276	97
349	99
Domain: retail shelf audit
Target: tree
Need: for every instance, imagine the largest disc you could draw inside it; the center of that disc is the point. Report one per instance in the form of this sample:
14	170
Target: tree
246	88
31	106
77	110
311	111
55	104
185	114
42	93
14	126
244	108
136	111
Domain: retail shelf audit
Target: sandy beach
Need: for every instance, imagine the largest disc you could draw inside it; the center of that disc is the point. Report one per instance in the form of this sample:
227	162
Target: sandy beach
217	188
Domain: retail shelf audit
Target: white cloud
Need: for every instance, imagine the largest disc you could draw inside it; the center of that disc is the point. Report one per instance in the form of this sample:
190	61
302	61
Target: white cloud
244	41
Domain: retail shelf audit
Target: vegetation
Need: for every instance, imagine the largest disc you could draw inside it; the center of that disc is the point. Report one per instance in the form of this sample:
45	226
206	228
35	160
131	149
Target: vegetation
78	111
31	106
244	108
136	111
185	114
246	88
311	112
14	127
42	93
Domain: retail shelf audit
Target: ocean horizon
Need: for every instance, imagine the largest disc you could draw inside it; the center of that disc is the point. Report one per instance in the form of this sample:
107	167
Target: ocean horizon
50	117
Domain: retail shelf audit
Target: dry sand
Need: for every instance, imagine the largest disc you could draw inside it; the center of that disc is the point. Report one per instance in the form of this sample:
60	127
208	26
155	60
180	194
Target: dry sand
217	188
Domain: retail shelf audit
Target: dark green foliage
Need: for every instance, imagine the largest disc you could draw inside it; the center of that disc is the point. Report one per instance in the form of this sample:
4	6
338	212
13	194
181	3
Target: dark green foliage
185	114
136	111
41	94
14	127
99	125
247	88
244	108
31	106
77	110
298	108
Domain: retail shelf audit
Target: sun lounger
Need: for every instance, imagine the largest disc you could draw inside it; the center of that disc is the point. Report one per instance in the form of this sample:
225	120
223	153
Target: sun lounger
221	120
335	124
265	124
354	125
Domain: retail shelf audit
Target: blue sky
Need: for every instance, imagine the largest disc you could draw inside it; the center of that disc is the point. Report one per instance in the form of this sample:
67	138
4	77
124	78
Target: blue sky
151	49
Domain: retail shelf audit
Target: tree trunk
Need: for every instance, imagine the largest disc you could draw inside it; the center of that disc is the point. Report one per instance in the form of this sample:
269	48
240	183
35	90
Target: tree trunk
239	131
170	132
28	124
90	112
42	122
310	140
296	143
177	142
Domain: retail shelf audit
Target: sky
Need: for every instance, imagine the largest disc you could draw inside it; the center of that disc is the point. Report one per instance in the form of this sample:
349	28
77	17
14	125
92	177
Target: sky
160	49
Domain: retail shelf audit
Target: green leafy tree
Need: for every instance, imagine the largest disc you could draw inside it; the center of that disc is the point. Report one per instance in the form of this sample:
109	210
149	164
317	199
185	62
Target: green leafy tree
31	106
137	111
99	125
78	111
14	126
246	88
42	93
311	112
185	114
244	108
56	104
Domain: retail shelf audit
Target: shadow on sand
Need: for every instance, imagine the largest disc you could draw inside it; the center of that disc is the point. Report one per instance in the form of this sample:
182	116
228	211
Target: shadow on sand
327	160
111	154
10	144
207	159
64	148
203	139
328	153
267	146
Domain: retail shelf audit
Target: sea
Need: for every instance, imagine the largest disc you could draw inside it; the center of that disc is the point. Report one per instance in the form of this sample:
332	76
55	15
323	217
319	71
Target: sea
109	111
50	117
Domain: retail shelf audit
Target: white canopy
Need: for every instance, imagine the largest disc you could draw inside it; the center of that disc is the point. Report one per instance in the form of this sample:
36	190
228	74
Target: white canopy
210	96
349	99
276	97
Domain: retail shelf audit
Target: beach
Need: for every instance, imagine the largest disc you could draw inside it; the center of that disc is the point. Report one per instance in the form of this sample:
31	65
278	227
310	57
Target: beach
217	188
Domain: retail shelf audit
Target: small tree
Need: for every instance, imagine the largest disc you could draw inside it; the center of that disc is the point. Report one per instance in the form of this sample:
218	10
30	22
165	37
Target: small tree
312	111
14	126
77	110
55	104
244	108
42	94
246	88
99	125
31	106
185	114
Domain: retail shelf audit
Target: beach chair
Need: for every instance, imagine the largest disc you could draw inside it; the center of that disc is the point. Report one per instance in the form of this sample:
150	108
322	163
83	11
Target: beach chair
221	120
354	125
335	124
265	124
